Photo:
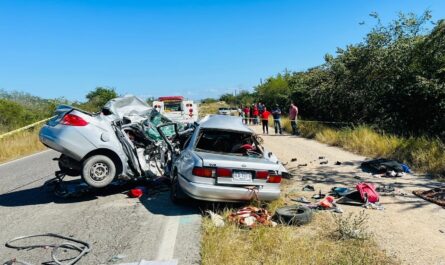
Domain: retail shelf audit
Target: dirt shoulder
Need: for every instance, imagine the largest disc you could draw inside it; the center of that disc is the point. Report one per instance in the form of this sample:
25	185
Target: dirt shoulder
409	227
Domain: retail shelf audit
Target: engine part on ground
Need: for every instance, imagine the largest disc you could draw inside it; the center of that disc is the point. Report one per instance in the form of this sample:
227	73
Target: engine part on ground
294	215
71	244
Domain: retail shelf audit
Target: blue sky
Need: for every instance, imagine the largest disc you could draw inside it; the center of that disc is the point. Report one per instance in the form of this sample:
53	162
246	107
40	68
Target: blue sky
194	48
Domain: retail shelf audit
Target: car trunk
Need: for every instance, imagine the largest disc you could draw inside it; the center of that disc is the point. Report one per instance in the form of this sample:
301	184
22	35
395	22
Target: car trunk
243	168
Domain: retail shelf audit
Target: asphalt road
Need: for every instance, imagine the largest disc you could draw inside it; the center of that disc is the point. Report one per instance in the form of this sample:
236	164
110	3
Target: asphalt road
150	228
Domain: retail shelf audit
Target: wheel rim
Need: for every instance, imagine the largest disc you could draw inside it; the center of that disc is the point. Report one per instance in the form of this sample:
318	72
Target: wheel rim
99	171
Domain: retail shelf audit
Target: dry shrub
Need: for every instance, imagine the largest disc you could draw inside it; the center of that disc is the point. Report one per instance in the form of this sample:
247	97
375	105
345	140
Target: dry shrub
351	226
20	144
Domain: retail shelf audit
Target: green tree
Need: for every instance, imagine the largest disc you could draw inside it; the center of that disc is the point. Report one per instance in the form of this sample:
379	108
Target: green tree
98	97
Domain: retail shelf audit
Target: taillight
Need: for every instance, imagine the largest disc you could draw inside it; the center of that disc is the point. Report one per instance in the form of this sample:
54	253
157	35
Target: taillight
262	174
202	172
73	120
224	172
274	179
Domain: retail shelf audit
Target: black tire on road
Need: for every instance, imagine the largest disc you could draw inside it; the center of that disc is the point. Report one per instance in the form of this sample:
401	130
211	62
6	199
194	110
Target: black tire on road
294	215
98	171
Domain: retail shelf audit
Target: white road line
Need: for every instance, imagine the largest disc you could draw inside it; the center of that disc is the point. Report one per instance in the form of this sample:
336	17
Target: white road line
25	157
167	243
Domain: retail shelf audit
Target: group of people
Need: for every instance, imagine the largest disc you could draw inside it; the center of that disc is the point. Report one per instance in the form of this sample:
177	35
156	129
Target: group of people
259	112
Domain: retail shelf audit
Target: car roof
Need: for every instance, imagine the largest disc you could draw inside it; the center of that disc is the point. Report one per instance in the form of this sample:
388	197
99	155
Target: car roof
224	122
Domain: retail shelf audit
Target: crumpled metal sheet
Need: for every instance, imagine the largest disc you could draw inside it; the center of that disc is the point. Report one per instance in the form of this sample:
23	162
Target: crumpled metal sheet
127	105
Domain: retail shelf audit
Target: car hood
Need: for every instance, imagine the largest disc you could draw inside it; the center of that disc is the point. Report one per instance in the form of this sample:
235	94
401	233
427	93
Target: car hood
128	106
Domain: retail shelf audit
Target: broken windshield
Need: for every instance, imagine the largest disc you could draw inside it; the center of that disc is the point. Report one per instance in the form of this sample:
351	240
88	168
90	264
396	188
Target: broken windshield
156	119
229	142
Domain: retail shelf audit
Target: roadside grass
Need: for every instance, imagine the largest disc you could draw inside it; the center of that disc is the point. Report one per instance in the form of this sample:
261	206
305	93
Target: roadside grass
315	243
420	153
20	144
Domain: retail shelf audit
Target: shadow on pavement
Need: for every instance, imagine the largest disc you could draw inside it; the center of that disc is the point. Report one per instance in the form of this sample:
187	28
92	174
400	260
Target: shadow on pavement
156	198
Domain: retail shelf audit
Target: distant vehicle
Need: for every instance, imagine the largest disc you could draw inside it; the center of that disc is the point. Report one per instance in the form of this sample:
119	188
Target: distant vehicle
224	161
224	111
177	109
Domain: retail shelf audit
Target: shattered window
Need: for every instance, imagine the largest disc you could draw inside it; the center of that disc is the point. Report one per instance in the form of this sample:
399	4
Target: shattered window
225	142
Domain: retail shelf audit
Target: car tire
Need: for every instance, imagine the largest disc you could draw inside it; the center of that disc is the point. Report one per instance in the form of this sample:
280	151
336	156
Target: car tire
65	168
98	171
294	215
177	195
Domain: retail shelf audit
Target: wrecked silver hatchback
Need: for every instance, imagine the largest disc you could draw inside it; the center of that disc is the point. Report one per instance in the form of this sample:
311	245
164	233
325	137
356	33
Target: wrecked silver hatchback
122	141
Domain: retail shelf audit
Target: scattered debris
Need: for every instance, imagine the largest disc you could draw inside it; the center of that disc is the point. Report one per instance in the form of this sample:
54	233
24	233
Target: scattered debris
217	219
294	215
136	192
321	157
386	188
324	162
70	244
302	165
436	195
375	206
293	159
340	191
117	257
308	188
318	196
368	192
327	202
251	217
300	199
383	165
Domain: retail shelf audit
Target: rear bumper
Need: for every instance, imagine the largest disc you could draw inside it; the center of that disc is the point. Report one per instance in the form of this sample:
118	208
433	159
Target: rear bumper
211	192
66	141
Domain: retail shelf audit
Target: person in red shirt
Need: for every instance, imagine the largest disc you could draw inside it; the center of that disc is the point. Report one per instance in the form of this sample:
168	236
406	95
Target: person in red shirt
255	114
246	114
265	120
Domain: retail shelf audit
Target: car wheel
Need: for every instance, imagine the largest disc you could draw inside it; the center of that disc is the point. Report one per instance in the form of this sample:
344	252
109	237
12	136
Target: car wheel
65	168
177	195
294	215
98	171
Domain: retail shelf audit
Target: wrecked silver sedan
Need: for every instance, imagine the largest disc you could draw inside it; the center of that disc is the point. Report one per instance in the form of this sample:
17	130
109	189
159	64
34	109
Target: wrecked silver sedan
224	161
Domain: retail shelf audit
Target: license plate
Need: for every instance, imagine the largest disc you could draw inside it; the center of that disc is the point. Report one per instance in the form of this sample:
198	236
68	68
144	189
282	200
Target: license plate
242	176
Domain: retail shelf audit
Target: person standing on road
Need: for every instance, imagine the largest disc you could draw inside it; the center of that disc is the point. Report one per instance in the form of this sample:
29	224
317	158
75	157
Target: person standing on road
261	108
265	120
255	114
246	114
293	113
276	113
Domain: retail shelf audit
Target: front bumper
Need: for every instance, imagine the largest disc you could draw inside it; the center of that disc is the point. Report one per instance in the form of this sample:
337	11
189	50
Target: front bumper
212	192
